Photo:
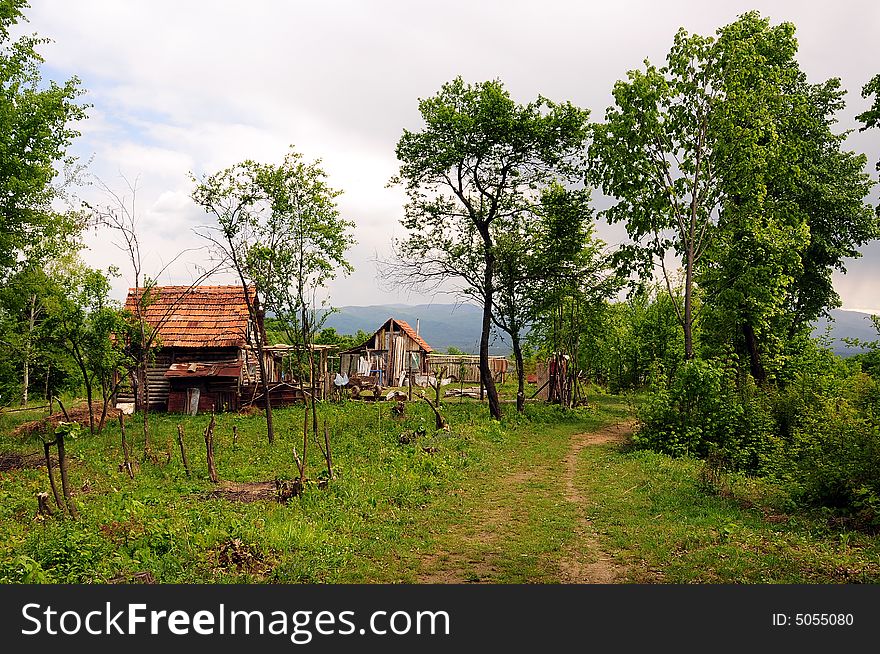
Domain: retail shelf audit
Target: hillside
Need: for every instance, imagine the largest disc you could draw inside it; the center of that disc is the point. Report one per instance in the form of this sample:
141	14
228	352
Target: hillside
845	324
458	325
441	325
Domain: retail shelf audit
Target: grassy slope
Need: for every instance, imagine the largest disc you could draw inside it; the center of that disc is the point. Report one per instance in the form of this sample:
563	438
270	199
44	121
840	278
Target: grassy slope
486	505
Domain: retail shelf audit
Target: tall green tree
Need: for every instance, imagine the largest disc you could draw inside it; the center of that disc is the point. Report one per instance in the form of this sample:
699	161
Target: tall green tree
871	117
794	199
725	160
655	154
476	166
299	246
36	128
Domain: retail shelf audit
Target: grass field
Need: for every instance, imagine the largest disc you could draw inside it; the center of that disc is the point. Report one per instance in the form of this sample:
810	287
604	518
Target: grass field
483	502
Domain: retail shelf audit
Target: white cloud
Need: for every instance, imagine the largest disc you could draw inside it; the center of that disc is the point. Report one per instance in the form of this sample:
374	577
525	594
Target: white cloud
200	85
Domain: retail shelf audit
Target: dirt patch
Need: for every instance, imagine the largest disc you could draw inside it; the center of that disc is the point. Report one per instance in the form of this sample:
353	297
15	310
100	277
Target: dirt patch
11	461
587	563
255	491
235	555
78	414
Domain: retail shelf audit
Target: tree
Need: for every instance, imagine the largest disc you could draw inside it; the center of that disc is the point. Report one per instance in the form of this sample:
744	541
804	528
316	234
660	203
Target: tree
725	159
81	320
655	155
299	245
793	206
141	338
477	165
233	197
35	129
548	259
871	117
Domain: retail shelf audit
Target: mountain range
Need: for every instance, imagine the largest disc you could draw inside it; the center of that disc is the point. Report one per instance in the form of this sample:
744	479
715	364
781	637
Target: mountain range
458	325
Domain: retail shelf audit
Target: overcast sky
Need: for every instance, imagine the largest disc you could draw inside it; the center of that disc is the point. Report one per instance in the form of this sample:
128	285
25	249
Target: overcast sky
195	86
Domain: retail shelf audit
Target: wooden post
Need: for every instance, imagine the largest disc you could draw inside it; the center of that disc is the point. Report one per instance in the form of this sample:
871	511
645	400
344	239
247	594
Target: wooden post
209	447
234	435
43	506
126	457
46	451
327	451
182	449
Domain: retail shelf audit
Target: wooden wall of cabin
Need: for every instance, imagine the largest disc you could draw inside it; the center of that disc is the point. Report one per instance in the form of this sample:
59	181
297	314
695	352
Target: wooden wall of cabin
218	394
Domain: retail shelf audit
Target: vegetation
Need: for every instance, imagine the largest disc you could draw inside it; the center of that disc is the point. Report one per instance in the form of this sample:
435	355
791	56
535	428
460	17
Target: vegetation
475	172
755	455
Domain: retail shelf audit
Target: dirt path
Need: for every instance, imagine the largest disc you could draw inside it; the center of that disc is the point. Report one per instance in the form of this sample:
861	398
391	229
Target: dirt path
472	549
585	562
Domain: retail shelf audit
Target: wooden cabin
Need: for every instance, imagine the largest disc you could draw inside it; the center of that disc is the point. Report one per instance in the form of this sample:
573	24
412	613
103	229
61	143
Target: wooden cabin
393	351
206	359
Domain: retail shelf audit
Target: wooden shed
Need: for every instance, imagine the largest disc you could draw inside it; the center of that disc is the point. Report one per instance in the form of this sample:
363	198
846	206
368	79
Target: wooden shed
206	359
394	350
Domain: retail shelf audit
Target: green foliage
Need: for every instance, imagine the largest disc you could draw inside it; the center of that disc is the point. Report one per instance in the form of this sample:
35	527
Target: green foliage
871	117
35	128
702	412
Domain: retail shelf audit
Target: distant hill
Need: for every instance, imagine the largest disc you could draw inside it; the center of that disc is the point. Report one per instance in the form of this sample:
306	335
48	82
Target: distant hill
846	324
458	325
441	325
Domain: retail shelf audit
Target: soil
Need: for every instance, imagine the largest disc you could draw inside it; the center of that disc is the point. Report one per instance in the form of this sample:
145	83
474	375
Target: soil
12	461
78	414
256	491
589	564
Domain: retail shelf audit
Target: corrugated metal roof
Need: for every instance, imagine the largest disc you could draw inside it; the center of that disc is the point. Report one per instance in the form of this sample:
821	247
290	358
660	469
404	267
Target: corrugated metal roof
203	370
201	316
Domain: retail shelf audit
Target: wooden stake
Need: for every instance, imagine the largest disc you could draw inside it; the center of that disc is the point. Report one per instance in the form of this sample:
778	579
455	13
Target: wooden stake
234	435
65	486
46	451
209	447
327	451
126	456
43	506
182	449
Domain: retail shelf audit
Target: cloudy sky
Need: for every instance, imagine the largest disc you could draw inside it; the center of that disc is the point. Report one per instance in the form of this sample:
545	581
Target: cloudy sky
195	86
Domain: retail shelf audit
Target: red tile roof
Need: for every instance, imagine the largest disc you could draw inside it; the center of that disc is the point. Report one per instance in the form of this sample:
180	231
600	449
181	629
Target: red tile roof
201	316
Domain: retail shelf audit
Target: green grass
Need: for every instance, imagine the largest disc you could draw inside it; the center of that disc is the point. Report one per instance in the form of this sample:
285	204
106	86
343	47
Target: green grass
668	527
482	502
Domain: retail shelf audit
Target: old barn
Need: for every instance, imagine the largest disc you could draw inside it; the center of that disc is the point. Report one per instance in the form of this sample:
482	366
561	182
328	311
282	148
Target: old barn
388	355
206	359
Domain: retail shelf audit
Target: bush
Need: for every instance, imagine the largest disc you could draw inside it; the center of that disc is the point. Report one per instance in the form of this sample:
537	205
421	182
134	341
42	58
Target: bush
816	434
704	409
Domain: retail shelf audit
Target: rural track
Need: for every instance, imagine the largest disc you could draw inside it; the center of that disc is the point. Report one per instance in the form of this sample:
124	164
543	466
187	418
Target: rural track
585	562
473	556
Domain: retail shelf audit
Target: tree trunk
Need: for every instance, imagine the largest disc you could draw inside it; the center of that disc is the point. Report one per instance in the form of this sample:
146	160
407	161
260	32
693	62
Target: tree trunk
757	368
520	373
688	309
485	371
26	381
145	386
